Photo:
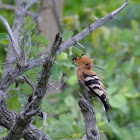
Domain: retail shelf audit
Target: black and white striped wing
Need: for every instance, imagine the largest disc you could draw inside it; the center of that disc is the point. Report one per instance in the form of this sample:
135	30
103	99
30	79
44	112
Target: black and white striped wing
94	84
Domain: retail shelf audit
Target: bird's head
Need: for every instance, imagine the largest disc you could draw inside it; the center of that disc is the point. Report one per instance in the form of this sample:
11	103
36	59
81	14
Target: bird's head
85	62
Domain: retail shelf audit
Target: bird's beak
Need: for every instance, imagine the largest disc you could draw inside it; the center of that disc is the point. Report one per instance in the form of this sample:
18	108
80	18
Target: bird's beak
94	66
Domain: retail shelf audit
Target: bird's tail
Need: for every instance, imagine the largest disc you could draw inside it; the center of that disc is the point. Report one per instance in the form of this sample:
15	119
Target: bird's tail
107	107
107	115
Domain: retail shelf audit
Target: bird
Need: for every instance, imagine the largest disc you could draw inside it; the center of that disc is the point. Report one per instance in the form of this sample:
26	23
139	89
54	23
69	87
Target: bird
91	81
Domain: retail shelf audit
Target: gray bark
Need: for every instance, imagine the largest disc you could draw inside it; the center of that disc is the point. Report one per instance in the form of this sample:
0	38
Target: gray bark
86	106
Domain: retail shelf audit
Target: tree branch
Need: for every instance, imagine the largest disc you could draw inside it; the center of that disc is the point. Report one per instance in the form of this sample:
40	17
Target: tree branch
86	105
7	118
90	29
32	108
20	12
30	4
12	8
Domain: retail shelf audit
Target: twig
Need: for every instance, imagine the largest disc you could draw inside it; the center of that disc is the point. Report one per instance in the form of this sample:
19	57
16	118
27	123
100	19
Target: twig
12	8
30	4
80	44
56	88
23	79
44	125
29	81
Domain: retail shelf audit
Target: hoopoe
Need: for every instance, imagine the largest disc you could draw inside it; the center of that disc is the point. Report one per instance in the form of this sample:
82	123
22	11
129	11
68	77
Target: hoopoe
91	81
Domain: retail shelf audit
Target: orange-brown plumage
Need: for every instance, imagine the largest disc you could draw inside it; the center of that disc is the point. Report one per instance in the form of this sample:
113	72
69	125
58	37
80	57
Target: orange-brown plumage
91	81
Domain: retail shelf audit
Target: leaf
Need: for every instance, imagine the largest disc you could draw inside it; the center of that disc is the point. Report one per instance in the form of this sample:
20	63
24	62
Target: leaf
69	101
75	128
137	49
130	95
14	104
98	118
118	101
4	36
63	56
56	72
68	64
101	124
43	40
67	35
62	135
72	80
105	128
75	135
77	51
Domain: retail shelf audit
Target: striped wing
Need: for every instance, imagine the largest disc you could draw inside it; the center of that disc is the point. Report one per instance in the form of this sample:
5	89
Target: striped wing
93	84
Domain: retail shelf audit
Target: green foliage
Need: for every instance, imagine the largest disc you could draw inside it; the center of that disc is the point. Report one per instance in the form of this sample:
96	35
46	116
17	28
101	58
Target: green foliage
114	46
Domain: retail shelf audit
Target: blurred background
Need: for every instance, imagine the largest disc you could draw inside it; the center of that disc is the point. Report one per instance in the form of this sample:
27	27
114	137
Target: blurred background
114	47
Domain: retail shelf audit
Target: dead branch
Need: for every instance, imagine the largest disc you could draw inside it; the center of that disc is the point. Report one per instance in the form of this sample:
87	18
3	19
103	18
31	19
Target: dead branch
86	105
14	42
32	108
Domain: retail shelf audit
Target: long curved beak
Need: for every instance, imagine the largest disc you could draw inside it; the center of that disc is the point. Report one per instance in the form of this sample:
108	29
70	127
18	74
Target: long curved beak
94	66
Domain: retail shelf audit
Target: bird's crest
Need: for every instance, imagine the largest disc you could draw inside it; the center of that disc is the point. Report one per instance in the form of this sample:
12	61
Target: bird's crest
82	60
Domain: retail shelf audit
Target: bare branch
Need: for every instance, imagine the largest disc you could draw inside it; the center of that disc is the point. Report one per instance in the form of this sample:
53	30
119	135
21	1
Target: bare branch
30	4
44	125
7	7
14	42
29	81
56	88
12	8
117	11
90	29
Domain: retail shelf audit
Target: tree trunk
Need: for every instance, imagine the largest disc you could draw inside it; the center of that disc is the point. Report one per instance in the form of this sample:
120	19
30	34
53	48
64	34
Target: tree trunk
50	18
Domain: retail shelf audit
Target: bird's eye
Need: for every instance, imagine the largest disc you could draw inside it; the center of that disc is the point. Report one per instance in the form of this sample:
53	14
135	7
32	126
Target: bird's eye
86	64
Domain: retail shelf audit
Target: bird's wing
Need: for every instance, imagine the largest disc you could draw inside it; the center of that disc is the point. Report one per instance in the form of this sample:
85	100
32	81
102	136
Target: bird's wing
94	85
